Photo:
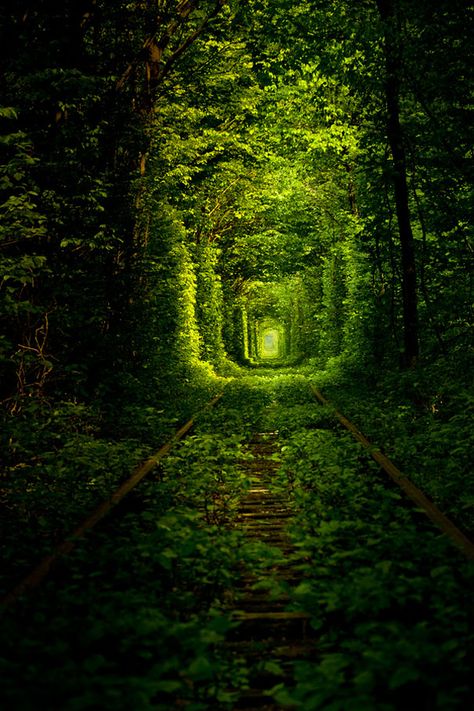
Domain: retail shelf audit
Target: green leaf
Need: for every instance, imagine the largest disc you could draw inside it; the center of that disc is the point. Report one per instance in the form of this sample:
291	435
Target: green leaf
168	686
403	676
200	669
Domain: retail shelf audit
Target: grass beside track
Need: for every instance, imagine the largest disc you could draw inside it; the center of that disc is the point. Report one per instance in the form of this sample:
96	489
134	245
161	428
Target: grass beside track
135	618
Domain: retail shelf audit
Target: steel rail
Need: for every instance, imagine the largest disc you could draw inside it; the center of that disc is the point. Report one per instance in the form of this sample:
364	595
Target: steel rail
412	491
40	571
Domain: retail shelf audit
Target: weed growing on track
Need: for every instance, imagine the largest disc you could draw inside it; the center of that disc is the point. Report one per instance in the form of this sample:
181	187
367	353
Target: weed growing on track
135	619
390	598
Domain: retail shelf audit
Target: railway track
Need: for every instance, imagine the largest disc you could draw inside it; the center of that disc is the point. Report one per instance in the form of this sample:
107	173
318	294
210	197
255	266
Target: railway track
272	632
270	636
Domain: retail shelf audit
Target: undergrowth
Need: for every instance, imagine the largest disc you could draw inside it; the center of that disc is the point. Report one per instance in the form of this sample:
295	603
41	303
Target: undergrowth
135	619
60	459
390	598
422	419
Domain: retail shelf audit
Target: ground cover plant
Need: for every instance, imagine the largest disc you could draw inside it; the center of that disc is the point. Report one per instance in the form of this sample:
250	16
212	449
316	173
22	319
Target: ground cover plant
422	420
377	580
390	597
138	610
63	459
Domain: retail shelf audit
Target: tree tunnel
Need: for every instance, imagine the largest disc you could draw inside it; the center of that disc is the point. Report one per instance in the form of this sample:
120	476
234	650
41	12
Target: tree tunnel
270	341
190	190
272	316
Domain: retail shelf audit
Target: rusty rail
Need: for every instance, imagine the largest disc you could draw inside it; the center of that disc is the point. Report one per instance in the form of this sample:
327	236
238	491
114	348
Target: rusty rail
40	571
412	491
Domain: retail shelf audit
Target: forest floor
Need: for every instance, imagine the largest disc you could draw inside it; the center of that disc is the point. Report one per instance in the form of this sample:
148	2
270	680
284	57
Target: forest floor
345	595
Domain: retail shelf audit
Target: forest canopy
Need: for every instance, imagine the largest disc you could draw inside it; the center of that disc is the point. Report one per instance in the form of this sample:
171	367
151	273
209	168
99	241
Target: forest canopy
160	158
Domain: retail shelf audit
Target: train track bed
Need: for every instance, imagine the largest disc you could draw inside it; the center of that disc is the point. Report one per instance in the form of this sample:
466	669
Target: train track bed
265	564
271	635
389	595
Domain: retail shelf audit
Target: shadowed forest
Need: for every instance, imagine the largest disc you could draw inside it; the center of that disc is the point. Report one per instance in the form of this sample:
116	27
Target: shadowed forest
247	198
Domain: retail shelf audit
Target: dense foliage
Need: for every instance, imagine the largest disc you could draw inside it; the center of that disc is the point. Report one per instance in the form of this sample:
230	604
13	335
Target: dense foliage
160	159
139	616
178	180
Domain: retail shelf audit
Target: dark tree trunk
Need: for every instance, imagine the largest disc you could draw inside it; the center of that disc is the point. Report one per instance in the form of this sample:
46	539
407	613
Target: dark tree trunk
400	182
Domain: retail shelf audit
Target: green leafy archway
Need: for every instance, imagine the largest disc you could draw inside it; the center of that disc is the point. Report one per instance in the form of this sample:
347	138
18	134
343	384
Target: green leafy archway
271	341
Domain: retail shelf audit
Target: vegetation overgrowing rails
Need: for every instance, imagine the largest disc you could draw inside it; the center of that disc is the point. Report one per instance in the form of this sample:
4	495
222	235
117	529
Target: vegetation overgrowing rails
150	588
198	197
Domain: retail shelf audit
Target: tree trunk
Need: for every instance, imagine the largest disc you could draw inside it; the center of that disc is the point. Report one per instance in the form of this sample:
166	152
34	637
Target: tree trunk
400	183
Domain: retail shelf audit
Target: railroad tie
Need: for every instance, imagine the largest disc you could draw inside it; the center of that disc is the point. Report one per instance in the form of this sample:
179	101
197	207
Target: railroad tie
270	635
